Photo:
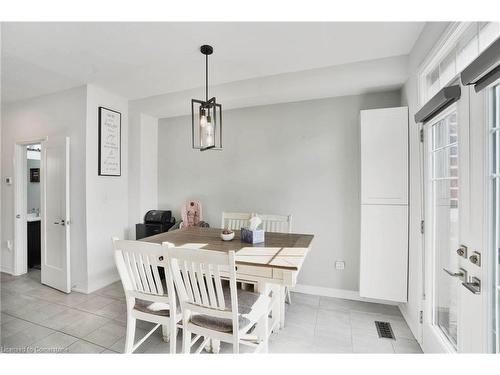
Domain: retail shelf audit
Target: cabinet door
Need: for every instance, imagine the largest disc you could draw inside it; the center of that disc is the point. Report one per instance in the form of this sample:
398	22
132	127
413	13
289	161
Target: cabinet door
384	252
384	156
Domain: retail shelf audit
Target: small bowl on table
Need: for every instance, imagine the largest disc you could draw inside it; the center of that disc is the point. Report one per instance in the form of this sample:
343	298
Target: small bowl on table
227	235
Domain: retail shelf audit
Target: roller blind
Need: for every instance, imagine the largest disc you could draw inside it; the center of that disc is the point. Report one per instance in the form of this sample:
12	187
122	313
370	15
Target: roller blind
485	69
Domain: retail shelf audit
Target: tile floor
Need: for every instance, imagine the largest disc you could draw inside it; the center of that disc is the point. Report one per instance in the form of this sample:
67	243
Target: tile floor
36	318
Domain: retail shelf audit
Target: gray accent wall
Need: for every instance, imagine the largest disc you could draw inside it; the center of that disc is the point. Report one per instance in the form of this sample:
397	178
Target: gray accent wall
298	158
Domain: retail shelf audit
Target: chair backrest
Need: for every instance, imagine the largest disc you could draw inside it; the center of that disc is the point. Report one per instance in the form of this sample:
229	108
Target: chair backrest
276	223
197	277
137	264
235	220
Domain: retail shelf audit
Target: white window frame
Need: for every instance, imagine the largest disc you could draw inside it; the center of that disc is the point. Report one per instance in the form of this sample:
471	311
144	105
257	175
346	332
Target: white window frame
445	45
493	218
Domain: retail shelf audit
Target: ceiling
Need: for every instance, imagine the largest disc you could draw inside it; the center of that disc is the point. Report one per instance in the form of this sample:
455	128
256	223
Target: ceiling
138	60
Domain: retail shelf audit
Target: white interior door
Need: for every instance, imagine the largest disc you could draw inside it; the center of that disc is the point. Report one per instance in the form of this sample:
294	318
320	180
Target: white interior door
56	214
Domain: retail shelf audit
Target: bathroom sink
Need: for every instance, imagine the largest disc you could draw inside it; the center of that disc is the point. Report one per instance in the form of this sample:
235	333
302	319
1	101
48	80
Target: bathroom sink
32	217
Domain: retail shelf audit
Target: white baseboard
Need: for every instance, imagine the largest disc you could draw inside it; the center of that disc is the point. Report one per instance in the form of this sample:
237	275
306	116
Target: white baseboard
5	269
337	293
413	324
102	282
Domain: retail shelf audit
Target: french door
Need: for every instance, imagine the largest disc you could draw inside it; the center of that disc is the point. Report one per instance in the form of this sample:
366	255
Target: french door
442	202
457	260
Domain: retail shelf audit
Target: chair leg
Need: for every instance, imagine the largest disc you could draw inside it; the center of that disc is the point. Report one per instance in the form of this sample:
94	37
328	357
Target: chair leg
215	346
186	337
263	333
288	296
129	338
236	344
165	332
173	336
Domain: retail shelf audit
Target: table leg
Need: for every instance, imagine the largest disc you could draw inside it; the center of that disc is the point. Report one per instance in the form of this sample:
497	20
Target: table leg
282	295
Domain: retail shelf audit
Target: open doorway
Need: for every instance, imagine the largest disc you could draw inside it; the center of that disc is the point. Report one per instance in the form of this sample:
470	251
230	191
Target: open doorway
33	209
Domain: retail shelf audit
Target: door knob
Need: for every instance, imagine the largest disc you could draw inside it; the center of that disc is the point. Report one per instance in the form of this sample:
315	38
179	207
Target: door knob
18	216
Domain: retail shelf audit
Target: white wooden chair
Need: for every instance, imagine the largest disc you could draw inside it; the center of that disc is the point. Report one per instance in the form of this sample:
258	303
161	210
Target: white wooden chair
212	312
235	220
276	223
146	296
280	224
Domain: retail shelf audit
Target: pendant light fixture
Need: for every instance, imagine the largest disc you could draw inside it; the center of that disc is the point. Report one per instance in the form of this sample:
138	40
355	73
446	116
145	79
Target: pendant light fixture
206	116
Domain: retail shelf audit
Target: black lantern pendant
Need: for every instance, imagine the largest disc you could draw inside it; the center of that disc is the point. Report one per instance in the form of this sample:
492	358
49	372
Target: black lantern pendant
206	116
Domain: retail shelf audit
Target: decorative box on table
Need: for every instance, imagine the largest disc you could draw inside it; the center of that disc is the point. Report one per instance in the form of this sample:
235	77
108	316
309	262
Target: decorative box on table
252	236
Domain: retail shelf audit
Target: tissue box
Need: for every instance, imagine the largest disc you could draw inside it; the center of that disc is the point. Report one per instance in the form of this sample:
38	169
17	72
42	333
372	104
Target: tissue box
252	236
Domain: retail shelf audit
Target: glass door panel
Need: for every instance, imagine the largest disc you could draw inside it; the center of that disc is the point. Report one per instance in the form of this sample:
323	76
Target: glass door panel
445	211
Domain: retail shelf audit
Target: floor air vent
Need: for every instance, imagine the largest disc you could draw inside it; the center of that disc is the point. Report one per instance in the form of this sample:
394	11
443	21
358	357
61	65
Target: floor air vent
384	330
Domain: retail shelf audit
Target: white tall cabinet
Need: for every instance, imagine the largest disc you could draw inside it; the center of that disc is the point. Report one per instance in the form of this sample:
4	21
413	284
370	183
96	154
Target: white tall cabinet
384	204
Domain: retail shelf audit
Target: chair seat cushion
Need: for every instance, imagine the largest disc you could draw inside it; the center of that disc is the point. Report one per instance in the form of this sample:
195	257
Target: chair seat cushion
246	300
246	303
145	306
217	324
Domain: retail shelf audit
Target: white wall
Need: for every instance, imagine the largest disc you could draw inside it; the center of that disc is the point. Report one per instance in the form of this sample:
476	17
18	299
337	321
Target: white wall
63	113
99	205
143	167
340	80
411	310
298	158
107	197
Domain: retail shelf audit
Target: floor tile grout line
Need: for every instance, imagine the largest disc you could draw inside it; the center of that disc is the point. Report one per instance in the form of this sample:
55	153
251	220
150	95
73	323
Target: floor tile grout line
63	332
59	331
316	306
74	308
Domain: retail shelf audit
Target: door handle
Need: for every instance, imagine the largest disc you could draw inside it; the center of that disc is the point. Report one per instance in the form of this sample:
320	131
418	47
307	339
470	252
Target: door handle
474	285
461	274
60	222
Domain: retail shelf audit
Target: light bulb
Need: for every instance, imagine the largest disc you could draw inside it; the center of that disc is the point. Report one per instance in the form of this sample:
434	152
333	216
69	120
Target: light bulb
203	121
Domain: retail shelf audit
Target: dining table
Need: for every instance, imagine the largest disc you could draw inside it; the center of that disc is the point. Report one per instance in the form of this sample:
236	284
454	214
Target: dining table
271	265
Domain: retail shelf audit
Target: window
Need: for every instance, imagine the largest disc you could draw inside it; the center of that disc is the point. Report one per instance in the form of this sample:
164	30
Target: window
444	209
460	44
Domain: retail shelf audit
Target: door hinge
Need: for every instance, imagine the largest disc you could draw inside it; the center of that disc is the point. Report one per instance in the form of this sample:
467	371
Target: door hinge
421	135
422	226
421	317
